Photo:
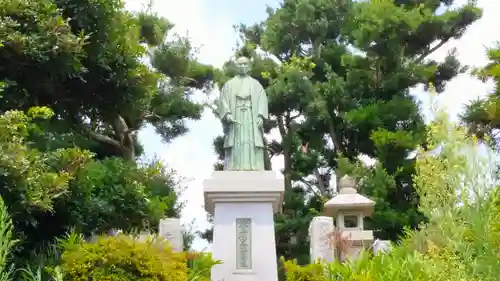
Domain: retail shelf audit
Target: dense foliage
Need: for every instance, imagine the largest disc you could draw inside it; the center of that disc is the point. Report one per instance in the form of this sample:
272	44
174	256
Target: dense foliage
481	115
75	90
48	193
121	257
338	79
460	239
85	57
73	166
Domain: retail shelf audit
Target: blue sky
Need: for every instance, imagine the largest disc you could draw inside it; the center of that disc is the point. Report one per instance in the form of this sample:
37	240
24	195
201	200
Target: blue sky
209	25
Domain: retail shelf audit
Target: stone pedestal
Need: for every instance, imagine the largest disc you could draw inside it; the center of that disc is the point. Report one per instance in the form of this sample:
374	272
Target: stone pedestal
360	240
243	204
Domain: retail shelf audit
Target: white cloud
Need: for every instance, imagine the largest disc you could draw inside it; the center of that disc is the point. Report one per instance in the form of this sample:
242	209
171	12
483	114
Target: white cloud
213	36
192	155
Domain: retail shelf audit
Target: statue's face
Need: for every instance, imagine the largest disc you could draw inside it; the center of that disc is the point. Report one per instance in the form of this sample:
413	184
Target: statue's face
242	66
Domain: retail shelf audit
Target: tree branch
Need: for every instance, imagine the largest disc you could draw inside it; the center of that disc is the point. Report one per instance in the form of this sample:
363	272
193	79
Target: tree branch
150	115
333	135
281	126
431	50
321	185
310	186
102	138
295	116
272	151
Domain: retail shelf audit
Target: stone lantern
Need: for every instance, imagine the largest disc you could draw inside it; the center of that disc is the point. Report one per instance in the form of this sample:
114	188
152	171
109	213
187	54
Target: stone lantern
349	208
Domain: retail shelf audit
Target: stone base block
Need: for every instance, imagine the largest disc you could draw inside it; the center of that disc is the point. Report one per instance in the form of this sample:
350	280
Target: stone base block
360	239
243	187
242	204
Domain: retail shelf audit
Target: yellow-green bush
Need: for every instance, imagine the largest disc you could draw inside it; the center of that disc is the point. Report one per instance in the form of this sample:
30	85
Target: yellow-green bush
398	265
310	272
495	220
123	258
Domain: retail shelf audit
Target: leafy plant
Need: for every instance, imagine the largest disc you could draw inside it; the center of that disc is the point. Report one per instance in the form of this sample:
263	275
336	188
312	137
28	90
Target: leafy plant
123	258
6	243
200	265
339	243
455	182
310	272
456	179
50	192
113	193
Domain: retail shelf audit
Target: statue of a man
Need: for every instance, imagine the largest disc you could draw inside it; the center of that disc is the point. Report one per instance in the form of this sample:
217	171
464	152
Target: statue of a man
243	109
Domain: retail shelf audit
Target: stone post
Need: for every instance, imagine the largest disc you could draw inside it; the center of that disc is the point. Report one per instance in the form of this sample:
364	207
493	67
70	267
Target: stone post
320	230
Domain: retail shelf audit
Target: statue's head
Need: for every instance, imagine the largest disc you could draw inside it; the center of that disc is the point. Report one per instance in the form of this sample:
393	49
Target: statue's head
242	65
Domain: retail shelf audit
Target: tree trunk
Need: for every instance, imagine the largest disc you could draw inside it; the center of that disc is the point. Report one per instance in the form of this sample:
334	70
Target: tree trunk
321	184
123	141
335	138
267	157
287	152
128	153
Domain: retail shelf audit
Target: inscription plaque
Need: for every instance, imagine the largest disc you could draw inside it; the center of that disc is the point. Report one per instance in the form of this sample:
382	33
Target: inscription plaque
244	243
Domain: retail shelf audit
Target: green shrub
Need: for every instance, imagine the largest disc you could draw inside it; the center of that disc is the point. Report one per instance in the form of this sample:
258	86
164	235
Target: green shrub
6	243
49	192
112	193
310	272
495	220
200	265
123	258
398	265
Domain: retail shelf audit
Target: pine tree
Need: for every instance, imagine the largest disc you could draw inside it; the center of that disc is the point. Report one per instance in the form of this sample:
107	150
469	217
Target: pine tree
338	79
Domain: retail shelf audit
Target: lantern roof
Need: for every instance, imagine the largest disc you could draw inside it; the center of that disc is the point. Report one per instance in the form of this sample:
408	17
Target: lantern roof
348	200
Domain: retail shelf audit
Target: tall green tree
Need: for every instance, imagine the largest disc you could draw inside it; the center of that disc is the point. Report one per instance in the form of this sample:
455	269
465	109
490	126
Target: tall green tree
83	59
338	78
482	116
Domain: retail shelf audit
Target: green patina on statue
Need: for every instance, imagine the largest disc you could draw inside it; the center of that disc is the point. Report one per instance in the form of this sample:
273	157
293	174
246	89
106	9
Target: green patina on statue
243	109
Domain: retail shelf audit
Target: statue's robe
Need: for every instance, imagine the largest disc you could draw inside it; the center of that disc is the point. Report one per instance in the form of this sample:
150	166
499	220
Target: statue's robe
245	100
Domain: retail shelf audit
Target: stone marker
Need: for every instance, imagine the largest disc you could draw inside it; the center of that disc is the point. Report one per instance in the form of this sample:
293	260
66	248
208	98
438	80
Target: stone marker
170	229
320	230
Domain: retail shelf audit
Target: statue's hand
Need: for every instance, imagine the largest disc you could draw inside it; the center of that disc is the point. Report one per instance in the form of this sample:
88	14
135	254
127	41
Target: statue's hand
260	122
229	119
